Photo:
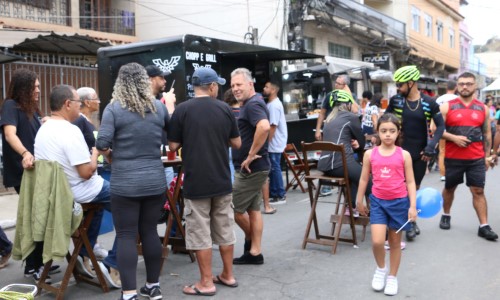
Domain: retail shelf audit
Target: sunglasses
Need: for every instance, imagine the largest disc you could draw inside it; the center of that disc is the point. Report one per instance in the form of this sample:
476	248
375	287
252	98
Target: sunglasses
400	84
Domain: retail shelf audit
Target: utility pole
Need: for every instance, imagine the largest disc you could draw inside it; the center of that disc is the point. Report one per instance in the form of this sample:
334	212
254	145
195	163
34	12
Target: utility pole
295	26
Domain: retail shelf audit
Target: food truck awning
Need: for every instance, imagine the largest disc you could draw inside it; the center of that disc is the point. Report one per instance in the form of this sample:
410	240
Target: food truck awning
273	54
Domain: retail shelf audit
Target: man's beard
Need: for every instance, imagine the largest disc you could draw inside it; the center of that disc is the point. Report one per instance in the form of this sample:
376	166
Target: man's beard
465	94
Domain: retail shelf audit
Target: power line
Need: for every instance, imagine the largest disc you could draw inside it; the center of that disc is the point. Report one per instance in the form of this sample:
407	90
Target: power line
182	20
270	23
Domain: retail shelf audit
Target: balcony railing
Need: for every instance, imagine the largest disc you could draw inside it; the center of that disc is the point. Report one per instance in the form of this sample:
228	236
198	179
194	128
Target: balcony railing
53	12
361	15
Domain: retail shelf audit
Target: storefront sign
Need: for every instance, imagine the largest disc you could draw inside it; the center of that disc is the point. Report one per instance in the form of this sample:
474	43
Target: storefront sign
380	59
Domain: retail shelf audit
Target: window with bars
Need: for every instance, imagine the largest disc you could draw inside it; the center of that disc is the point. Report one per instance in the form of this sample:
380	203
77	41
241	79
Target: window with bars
45	4
337	50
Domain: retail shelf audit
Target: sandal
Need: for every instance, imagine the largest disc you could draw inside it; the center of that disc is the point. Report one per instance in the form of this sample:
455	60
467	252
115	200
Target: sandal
218	280
196	291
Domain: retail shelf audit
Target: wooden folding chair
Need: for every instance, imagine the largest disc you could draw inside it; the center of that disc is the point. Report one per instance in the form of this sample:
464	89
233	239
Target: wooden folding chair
339	217
296	164
80	239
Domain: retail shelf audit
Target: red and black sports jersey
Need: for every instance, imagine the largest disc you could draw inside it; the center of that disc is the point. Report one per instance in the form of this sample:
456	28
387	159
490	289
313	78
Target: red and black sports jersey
465	120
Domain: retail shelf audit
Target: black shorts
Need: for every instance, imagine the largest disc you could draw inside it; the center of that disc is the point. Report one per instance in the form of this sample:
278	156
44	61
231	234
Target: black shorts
474	169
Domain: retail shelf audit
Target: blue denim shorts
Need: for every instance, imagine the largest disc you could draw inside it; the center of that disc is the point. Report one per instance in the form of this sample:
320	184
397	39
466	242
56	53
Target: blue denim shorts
393	213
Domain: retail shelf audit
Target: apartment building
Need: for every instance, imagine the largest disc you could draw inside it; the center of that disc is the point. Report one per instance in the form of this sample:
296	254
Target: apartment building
58	39
433	31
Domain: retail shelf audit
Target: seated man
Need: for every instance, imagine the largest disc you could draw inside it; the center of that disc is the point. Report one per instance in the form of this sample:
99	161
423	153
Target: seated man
59	140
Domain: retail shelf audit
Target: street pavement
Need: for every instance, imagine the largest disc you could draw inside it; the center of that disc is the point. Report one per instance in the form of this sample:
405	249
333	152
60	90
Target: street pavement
453	264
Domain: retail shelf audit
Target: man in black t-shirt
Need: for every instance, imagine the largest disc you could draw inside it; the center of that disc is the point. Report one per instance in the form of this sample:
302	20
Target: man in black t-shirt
203	127
251	164
416	111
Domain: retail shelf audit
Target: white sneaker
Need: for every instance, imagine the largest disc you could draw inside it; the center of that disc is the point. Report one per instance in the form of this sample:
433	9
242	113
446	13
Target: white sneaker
378	281
112	276
443	178
84	266
99	252
391	286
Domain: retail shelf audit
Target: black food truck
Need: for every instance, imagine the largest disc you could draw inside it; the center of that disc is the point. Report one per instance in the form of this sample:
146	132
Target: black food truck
181	55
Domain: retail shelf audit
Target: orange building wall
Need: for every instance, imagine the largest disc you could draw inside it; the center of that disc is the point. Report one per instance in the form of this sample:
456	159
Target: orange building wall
429	47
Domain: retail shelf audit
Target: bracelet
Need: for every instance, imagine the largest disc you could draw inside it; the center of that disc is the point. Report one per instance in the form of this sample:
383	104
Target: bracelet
22	154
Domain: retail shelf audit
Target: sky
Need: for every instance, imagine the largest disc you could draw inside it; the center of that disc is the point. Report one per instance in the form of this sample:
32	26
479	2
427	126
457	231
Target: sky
483	19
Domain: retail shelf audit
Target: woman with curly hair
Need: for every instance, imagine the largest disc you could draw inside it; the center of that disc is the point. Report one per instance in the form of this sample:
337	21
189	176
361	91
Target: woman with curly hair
130	136
20	121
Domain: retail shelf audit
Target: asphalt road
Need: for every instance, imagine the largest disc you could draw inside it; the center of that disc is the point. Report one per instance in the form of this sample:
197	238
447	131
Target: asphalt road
454	264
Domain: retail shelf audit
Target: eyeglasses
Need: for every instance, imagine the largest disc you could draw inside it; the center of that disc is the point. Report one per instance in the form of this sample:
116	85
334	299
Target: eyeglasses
339	83
96	99
467	84
76	100
399	84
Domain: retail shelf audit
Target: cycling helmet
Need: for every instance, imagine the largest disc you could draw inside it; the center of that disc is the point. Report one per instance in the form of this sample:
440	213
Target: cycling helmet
407	73
340	96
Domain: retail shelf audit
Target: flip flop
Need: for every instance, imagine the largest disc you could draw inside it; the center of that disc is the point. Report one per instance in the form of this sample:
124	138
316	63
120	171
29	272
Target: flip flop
197	292
270	212
217	280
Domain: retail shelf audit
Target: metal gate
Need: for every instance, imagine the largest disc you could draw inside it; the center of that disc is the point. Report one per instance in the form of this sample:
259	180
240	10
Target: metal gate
53	70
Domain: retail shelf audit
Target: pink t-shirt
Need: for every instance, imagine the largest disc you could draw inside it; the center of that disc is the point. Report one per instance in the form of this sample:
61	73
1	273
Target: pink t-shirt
388	175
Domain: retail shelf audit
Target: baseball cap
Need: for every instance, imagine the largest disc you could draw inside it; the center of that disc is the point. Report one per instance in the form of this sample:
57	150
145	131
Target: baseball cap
203	76
154	71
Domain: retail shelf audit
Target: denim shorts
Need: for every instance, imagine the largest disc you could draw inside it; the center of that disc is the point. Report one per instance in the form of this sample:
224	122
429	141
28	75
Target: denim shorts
393	213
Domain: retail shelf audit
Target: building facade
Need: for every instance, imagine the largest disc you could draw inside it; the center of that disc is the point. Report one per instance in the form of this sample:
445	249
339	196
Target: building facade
58	39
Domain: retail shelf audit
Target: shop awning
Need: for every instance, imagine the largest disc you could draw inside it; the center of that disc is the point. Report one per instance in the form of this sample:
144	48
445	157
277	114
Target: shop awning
339	65
8	57
61	43
495	86
381	75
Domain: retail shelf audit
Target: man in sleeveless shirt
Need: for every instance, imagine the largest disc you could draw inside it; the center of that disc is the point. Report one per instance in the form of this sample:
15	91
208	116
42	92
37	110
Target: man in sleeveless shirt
468	145
416	111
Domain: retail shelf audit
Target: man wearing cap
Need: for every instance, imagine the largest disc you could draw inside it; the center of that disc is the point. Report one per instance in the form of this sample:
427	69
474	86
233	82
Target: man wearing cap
203	127
158	82
251	164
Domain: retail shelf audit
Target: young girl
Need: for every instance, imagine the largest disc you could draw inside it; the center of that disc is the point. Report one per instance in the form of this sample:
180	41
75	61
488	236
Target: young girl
392	200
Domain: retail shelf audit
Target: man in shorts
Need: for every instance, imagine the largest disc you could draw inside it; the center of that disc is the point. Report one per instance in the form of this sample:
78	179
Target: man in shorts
468	145
251	163
203	127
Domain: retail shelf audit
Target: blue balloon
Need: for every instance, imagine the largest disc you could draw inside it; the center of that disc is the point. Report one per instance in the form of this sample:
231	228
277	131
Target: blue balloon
429	202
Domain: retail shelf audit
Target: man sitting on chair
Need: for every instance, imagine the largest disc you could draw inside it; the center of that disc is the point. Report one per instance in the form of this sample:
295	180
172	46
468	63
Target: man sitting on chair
59	140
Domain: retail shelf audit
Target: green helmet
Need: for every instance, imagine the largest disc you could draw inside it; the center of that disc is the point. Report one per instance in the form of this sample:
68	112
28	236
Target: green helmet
340	96
407	73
